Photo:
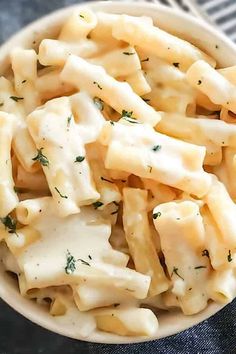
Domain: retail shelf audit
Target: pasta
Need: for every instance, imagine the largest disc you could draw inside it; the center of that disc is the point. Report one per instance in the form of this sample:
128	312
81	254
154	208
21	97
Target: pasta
117	174
127	141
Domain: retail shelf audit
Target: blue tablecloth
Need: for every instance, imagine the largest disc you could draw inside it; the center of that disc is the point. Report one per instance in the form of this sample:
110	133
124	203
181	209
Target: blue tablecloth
19	336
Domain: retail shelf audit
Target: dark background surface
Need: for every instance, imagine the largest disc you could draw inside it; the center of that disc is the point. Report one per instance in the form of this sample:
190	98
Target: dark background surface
19	336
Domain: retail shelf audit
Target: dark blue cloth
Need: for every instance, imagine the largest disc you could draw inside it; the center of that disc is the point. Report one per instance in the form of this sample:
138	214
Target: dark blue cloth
19	336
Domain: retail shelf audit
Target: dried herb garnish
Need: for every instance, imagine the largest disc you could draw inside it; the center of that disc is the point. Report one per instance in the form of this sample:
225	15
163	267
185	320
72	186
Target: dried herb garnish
41	158
70	263
79	158
61	195
175	271
156	215
200	267
97	205
156	148
106	180
16	99
229	257
83	262
96	83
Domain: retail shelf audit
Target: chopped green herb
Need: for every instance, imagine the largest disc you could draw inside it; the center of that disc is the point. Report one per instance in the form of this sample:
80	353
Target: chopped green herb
142	61
150	168
83	262
79	158
176	65
205	253
69	121
96	83
70	263
199	82
200	267
89	257
175	271
177	218
16	99
98	103
128	116
229	257
1	104
9	224
97	205
106	180
24	81
81	16
156	148
111	122
41	158
156	215
61	195
128	53
216	46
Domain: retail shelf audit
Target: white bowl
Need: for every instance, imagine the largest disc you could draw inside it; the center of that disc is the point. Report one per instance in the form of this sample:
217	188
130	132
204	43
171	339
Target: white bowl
195	31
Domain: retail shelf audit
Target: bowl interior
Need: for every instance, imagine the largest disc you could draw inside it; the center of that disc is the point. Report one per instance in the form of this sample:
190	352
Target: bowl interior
176	22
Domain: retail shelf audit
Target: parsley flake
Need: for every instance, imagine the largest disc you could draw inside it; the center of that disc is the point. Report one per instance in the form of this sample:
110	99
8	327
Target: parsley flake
176	65
1	104
156	215
111	122
10	224
69	121
70	263
229	257
16	99
156	148
175	271
200	267
41	158
23	81
61	195
106	180
142	61
97	205
199	82
128	53
128	117
96	83
83	262
81	16
79	158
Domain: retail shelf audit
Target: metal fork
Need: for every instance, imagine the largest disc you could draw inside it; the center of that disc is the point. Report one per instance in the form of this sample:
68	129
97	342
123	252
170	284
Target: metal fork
220	13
